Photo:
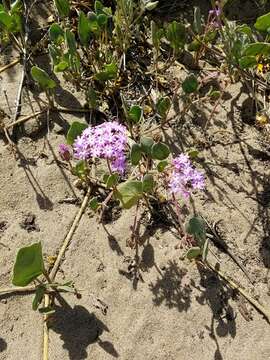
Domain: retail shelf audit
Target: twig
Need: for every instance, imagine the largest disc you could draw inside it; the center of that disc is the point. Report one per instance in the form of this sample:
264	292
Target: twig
46	330
17	289
14	62
64	110
255	303
25	118
70	234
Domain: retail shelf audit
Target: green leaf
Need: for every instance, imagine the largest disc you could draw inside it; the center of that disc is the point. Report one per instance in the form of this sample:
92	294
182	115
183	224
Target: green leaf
129	193
112	180
196	227
98	7
197	23
193	153
148	183
42	78
263	22
102	20
109	73
94	204
162	165
258	48
135	154
146	145
176	34
81	169
61	66
40	291
214	94
56	34
84	29
195	45
190	84
6	20
246	62
193	253
74	131
29	265
63	7
71	42
160	151
135	113
163	106
93	22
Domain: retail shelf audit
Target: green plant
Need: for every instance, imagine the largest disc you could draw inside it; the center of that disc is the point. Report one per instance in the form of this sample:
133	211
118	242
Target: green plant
29	268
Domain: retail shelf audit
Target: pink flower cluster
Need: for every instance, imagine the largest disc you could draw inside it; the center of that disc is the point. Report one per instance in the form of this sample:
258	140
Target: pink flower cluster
105	141
184	177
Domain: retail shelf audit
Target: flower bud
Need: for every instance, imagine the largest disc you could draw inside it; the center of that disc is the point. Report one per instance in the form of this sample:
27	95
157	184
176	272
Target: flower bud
64	152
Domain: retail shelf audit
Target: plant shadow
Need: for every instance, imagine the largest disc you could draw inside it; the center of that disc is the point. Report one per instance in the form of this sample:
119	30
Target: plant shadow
171	289
78	329
3	345
216	295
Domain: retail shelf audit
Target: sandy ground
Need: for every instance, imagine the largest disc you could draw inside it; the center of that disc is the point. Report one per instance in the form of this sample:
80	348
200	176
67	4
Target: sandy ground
176	311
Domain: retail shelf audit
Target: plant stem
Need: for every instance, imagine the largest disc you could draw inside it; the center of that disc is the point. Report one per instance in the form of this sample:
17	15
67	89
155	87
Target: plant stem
46	330
70	234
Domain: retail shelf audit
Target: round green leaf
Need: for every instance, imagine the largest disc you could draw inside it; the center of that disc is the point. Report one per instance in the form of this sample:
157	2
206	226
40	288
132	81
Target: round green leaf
193	253
42	78
29	265
246	62
135	154
196	227
74	131
146	145
163	106
56	34
135	113
161	165
148	183
129	193
160	151
112	180
80	169
102	20
94	204
190	84
263	22
258	48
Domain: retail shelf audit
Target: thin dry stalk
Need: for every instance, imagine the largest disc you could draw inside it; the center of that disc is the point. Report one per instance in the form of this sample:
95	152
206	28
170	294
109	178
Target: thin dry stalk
70	234
17	289
46	330
14	62
233	285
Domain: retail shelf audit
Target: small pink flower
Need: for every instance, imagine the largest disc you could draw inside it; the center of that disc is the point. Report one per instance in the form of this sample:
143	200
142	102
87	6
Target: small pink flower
64	152
184	177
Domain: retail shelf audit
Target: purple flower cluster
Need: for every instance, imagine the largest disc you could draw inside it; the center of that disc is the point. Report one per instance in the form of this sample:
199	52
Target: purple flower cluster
184	177
105	141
